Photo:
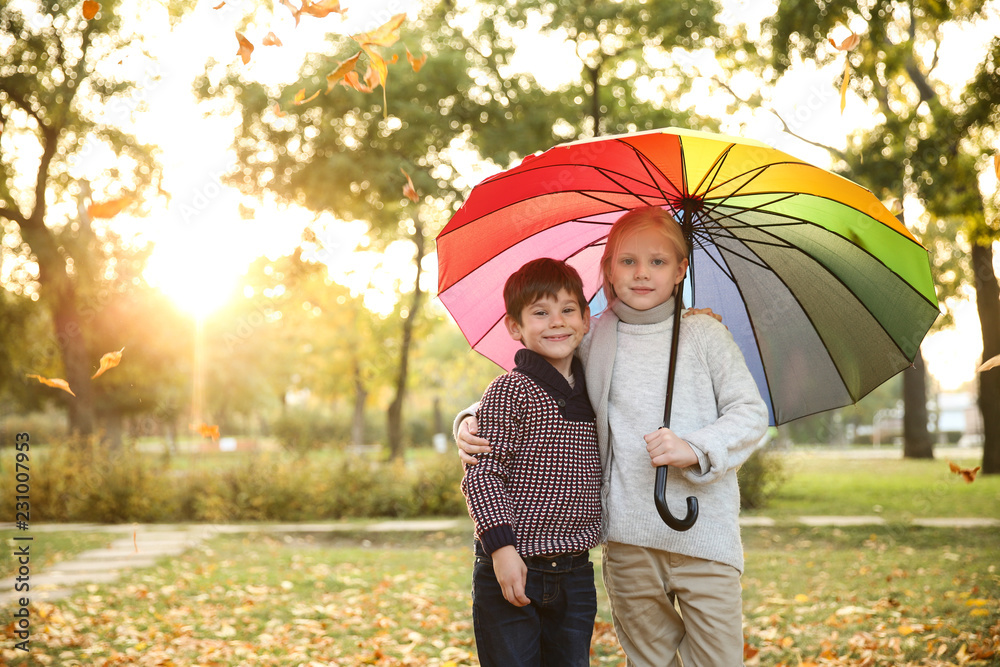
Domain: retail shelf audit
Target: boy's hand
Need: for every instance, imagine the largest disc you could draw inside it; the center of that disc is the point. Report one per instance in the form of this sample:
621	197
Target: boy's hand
469	443
512	575
666	448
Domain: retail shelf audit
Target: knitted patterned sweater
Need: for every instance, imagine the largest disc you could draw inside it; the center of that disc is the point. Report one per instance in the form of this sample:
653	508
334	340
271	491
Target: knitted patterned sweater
539	489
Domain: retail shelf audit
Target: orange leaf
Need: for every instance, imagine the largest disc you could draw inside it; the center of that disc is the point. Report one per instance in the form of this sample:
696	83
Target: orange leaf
220	5
996	165
108	209
749	651
415	63
377	63
90	9
351	80
385	35
246	48
278	112
968	474
849	42
843	85
270	39
135	541
300	97
321	8
57	383
108	361
342	70
206	431
408	189
989	363
296	12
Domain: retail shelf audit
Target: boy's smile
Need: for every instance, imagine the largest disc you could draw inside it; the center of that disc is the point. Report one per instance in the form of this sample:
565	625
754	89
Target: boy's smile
552	328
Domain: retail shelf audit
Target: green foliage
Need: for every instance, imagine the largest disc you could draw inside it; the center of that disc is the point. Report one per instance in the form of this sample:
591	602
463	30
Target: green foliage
760	477
89	483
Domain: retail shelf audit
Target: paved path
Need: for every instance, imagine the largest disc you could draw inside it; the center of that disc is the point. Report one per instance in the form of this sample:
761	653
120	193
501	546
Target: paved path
138	546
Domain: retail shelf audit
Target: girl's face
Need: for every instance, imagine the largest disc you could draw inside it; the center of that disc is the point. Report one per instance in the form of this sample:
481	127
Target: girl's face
646	269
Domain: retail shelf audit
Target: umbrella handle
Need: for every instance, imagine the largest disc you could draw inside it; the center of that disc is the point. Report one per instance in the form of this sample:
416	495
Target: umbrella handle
660	498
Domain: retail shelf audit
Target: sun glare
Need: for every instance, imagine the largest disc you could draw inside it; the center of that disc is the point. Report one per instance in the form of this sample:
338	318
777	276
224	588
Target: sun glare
199	281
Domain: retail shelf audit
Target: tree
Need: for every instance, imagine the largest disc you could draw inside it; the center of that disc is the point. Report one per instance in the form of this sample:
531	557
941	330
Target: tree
51	94
900	86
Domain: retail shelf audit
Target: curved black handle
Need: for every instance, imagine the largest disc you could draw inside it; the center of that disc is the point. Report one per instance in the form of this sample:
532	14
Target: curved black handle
660	498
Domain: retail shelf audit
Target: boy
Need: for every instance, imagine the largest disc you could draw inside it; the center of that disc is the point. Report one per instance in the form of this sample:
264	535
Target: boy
535	498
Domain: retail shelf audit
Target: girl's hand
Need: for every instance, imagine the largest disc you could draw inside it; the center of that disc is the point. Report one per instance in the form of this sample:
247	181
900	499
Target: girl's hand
469	443
666	448
703	311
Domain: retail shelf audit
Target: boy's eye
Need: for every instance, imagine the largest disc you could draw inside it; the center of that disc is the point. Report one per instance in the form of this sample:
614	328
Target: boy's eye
628	261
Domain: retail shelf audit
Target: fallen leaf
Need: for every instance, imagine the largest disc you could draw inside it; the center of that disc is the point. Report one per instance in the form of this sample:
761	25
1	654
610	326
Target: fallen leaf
385	35
415	63
848	43
108	209
343	68
108	361
300	97
321	8
246	48
56	382
408	189
207	431
989	363
270	39
90	9
968	474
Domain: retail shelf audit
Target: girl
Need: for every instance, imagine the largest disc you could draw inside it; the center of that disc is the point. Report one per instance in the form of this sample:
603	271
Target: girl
673	594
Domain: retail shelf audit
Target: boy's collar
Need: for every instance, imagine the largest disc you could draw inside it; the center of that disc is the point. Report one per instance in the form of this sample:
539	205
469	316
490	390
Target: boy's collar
574	403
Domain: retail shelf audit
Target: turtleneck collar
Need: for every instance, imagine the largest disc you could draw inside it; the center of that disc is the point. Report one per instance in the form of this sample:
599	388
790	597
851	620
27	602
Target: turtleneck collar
574	403
654	315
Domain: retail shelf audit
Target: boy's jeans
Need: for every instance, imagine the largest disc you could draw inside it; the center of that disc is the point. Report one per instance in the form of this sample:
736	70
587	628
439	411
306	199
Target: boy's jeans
554	630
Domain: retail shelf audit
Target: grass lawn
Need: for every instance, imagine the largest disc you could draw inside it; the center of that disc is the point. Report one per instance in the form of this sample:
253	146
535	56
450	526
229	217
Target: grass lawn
888	595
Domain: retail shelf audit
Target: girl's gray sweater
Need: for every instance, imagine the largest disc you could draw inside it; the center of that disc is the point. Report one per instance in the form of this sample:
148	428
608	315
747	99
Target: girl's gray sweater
716	408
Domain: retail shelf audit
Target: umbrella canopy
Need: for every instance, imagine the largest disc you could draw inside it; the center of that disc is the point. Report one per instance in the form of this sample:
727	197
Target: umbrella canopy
825	291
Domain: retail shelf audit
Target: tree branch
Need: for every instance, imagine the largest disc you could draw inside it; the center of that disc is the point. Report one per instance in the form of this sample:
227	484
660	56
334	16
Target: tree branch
13	215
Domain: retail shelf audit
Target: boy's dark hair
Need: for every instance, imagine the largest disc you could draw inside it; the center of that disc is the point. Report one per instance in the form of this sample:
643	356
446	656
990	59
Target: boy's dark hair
538	278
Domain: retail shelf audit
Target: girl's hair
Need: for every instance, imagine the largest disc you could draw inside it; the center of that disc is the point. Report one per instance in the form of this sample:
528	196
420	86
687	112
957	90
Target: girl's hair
637	219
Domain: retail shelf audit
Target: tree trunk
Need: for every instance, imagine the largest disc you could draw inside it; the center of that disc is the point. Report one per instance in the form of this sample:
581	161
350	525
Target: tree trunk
917	442
358	420
395	415
988	305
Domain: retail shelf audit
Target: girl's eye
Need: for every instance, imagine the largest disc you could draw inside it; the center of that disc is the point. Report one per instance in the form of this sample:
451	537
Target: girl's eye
658	262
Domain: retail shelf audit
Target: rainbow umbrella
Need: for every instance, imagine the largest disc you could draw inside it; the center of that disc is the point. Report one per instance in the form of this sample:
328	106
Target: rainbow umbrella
825	291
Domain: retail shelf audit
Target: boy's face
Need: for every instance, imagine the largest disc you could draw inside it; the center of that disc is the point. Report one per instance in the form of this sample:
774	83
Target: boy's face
552	328
646	269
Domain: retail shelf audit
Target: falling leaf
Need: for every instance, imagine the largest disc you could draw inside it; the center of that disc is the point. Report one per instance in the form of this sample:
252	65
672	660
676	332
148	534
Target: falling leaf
208	431
996	165
415	63
968	474
135	541
848	43
321	8
843	85
270	39
408	189
989	363
108	361
351	80
246	48
108	209
56	382
220	5
300	97
385	35
343	68
90	9
377	63
278	112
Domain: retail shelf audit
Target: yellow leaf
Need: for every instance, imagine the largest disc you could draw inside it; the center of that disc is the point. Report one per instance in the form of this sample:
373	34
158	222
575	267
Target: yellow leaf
843	85
385	35
58	383
108	209
996	165
108	361
408	189
270	39
343	68
801	598
417	63
246	48
300	97
979	612
321	8
377	62
90	9
976	602
989	363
